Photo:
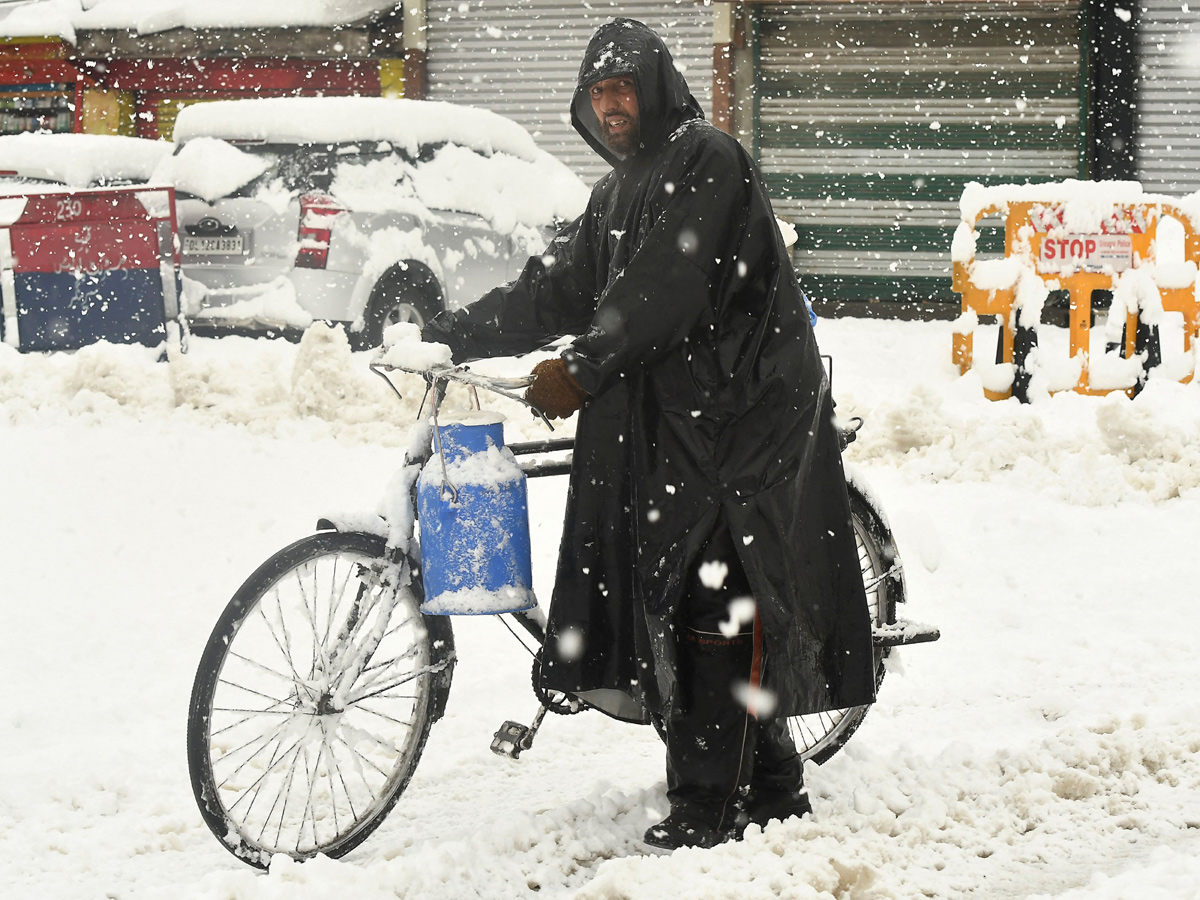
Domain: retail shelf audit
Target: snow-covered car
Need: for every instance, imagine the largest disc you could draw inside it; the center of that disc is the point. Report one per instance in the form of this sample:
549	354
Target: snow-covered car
37	159
357	210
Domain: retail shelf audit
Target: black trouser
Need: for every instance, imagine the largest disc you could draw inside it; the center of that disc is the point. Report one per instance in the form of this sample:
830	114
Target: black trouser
718	751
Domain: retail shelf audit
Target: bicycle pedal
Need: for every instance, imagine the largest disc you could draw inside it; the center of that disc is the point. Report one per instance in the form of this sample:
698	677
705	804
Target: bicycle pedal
511	739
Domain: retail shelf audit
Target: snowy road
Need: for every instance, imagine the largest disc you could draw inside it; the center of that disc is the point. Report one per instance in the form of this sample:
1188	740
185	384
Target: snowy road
1048	745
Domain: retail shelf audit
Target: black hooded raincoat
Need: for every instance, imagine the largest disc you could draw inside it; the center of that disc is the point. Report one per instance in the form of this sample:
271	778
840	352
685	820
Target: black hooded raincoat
708	395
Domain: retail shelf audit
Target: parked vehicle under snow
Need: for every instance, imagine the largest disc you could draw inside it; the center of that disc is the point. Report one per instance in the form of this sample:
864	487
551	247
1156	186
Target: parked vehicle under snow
356	210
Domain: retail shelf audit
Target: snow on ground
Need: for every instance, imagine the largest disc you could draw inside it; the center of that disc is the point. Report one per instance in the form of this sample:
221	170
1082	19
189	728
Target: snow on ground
1048	746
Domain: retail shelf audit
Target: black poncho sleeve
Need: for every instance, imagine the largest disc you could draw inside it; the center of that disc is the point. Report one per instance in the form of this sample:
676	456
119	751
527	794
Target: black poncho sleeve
553	296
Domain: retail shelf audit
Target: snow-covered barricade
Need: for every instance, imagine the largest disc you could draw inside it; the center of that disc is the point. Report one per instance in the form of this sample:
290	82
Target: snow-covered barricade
1077	237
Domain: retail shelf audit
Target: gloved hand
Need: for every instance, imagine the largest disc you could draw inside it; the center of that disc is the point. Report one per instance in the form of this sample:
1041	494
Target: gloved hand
554	391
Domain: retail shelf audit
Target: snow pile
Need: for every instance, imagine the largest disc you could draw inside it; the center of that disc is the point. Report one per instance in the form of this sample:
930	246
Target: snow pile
81	160
319	387
1085	450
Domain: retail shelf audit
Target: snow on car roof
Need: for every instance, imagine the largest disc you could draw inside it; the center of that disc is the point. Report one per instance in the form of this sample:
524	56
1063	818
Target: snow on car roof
80	160
61	18
410	124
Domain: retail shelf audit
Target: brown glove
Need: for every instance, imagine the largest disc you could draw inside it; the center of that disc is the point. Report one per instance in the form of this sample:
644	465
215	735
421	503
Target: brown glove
554	391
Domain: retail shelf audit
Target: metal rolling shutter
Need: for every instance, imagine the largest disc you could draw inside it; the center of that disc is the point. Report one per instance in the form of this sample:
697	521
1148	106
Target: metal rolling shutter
520	58
1169	99
872	116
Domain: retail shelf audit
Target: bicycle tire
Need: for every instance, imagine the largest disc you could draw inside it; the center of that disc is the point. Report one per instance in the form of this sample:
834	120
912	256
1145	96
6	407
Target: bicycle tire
819	736
300	741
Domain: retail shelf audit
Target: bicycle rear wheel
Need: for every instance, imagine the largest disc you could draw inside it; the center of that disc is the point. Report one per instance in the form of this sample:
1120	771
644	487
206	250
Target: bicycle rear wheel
313	699
820	735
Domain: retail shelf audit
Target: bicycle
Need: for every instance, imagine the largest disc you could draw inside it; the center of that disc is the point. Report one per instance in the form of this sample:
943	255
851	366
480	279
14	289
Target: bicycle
319	684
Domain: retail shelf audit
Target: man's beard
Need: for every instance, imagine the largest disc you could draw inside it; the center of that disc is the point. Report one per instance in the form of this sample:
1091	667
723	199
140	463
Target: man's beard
623	144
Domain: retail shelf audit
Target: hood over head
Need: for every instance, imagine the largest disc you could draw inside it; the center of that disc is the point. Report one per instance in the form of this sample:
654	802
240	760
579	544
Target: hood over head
628	47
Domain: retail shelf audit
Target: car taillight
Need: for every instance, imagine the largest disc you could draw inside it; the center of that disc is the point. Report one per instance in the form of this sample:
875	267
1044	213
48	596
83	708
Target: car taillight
317	212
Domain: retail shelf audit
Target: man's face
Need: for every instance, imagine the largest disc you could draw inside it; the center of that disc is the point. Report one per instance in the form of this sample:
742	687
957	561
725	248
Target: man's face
614	101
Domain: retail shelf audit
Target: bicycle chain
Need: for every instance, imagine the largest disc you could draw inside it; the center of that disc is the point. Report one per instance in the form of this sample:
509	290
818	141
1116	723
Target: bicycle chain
555	701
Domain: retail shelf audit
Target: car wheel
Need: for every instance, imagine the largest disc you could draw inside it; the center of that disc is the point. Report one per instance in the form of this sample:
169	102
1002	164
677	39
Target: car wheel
393	302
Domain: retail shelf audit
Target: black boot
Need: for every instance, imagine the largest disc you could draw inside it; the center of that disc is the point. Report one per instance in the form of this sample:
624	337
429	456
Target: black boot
777	785
709	745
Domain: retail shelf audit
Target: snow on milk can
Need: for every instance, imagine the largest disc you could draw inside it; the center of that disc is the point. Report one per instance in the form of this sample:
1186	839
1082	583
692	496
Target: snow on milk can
474	517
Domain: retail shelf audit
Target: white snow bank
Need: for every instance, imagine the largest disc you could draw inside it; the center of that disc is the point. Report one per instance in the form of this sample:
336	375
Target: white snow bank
271	387
1086	450
1090	451
81	160
61	18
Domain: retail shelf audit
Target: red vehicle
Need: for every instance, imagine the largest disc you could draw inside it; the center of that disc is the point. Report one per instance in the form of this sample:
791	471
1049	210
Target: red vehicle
81	266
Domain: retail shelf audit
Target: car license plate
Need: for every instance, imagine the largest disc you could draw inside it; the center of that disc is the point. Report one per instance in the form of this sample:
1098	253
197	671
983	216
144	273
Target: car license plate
1090	252
225	245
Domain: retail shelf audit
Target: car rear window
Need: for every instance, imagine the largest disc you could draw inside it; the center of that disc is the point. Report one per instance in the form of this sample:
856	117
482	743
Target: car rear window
313	167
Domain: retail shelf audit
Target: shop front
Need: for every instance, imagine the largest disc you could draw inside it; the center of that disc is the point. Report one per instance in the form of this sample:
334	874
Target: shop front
870	117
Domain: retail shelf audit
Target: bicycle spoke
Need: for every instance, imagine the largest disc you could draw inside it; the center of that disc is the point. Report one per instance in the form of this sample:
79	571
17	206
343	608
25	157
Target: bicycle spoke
342	780
274	736
240	721
364	708
278	794
311	614
287	792
416	673
308	776
328	753
400	657
353	750
356	618
240	687
267	669
296	680
398	626
335	605
256	786
287	648
366	680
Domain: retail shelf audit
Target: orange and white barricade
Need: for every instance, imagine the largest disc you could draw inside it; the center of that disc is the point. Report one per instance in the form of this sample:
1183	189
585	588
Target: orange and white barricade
1078	237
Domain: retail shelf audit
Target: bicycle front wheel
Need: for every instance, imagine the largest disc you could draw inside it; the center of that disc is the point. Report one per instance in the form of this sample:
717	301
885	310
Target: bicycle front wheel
819	736
313	699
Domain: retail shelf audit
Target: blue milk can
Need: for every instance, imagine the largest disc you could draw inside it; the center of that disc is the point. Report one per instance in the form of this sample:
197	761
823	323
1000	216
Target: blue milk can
474	520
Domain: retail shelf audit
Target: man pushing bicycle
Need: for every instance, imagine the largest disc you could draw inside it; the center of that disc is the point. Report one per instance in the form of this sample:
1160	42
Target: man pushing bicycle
708	574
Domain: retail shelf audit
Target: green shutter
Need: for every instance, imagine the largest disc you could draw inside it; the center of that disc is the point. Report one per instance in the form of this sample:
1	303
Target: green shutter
871	117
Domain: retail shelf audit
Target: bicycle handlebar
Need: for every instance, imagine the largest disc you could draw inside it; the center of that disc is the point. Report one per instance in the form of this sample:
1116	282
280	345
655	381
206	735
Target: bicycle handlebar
438	378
